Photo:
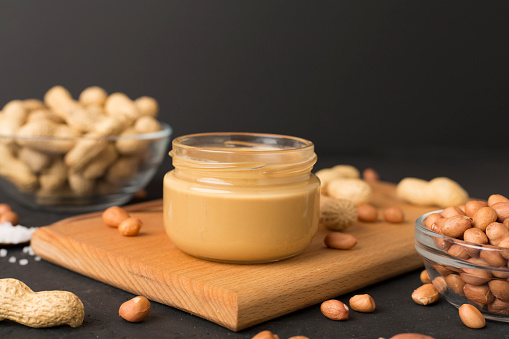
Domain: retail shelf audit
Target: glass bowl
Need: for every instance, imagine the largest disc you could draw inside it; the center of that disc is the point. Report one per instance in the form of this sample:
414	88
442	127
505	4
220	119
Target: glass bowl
461	274
79	174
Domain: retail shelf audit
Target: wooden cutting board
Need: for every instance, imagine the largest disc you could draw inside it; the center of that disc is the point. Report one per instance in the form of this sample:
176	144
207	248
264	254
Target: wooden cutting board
233	296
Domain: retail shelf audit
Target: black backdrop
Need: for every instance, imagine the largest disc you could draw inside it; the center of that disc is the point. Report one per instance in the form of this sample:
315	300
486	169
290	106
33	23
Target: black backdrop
352	76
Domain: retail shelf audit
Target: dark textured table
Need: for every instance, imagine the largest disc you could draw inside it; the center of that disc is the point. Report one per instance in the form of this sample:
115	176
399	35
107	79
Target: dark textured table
480	172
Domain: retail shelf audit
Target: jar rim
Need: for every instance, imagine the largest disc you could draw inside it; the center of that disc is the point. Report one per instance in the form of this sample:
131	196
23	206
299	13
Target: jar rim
271	154
234	139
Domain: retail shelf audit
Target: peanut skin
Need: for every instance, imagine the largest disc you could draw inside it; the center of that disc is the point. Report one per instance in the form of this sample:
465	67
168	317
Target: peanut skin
367	213
135	310
424	276
455	226
265	335
114	215
335	310
394	215
426	294
411	336
362	303
340	241
471	316
130	227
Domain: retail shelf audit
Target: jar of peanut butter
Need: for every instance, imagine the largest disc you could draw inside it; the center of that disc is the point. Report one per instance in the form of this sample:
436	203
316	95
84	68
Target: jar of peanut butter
241	197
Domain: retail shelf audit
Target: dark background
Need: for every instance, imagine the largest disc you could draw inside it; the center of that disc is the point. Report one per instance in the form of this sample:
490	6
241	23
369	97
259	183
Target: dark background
409	88
352	76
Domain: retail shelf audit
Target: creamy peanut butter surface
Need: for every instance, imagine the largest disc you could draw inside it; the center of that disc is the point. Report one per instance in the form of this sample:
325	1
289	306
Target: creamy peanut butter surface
238	224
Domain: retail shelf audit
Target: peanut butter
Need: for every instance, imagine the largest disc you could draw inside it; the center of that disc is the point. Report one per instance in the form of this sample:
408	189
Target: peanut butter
244	198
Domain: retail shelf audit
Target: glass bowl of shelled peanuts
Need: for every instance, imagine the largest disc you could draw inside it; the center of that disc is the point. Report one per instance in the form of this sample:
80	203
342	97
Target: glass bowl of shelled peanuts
465	251
84	154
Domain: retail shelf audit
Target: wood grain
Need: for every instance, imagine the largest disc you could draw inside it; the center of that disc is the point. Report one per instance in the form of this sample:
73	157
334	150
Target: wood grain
233	296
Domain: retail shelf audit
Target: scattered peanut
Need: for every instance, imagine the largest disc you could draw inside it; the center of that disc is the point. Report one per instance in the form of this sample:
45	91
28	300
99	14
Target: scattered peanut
4	208
440	284
135	310
426	294
367	213
9	216
411	336
471	316
335	310
340	241
394	215
39	309
266	335
425	279
130	227
362	303
114	215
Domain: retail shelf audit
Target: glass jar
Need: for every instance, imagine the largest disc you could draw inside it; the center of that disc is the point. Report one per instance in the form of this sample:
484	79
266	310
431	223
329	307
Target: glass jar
241	197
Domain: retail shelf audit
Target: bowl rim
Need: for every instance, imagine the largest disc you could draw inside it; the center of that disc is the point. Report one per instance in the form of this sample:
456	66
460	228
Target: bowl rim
165	132
419	226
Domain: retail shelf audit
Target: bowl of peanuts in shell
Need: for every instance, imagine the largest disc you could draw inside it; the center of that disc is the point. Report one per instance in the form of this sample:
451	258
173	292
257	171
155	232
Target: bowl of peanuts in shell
76	155
465	251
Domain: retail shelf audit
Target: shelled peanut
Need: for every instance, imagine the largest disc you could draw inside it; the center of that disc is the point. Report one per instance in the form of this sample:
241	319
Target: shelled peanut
119	218
135	309
82	161
476	233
